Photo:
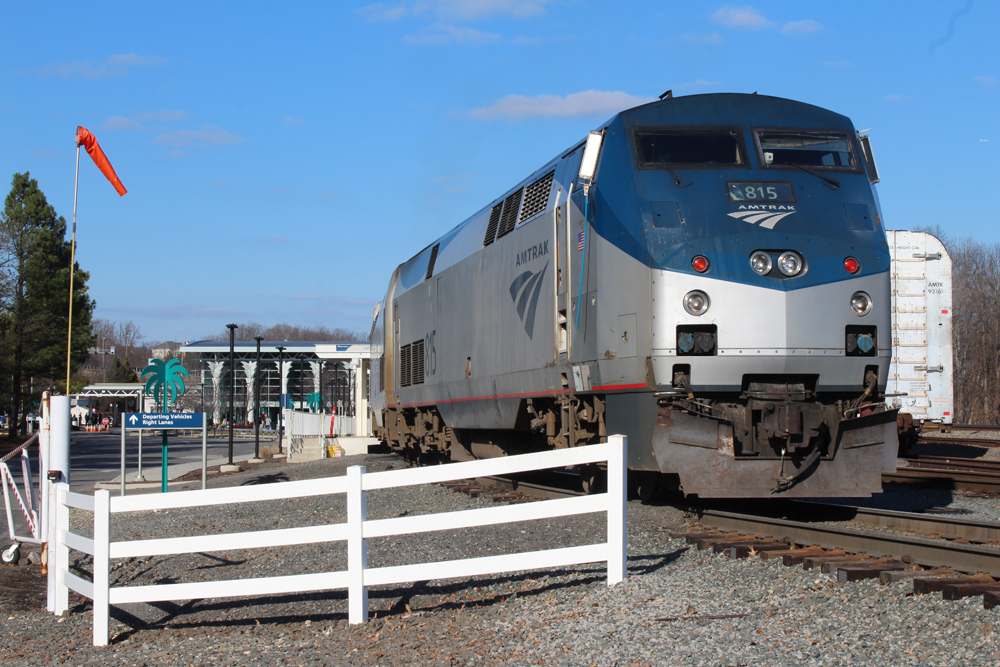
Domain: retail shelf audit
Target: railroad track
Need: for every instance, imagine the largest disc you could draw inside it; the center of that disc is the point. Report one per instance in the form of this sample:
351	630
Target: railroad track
852	554
970	475
956	556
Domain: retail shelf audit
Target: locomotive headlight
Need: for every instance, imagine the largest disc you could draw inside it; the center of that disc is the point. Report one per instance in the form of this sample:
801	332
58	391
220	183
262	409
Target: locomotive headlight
696	302
861	303
790	263
760	262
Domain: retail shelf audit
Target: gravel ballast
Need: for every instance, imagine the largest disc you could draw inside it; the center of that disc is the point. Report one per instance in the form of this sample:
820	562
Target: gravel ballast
566	616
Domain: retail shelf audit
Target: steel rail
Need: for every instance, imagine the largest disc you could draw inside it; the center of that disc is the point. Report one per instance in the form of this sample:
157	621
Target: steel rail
959	440
952	463
926	552
952	479
947	527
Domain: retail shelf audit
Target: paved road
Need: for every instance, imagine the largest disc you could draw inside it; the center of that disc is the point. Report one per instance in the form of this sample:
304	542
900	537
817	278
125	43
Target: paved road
96	457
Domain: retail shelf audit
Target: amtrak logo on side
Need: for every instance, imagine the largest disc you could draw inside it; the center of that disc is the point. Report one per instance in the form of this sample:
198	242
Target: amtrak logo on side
768	215
524	292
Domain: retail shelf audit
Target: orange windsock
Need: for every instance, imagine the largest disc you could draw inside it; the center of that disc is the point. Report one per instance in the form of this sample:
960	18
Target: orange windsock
87	140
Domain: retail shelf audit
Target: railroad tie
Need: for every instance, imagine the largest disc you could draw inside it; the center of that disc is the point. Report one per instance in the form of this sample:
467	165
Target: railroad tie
725	546
743	551
797	556
892	576
990	599
959	591
831	567
922	586
859	572
811	562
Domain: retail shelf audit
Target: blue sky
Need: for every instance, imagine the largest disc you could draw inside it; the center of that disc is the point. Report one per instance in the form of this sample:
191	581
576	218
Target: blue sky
283	158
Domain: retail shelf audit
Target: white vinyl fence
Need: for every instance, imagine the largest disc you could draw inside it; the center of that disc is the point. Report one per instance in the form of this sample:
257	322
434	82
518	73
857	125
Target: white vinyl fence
356	532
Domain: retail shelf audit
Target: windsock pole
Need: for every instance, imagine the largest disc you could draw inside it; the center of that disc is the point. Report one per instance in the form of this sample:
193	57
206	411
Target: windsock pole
72	263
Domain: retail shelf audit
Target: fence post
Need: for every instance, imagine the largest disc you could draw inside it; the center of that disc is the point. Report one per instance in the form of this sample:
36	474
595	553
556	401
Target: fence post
357	547
58	551
617	508
102	565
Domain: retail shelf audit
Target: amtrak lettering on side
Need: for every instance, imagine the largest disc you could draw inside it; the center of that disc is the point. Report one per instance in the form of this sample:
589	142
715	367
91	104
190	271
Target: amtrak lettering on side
534	252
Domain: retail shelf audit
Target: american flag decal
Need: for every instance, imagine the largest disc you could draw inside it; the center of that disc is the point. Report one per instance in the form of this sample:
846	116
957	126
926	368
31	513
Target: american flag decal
579	241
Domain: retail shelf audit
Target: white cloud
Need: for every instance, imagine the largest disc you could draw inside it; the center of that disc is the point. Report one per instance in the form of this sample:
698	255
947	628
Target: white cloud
48	154
116	65
896	98
586	103
985	80
288	121
744	18
700	83
382	12
200	138
135	121
444	33
798	28
454	10
121	123
476	10
695	38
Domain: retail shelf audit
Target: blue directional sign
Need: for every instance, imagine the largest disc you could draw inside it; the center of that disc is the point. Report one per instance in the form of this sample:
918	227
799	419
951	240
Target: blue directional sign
161	420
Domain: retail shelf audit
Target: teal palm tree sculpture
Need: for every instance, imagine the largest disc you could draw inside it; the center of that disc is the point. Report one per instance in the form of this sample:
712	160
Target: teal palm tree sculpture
165	377
313	401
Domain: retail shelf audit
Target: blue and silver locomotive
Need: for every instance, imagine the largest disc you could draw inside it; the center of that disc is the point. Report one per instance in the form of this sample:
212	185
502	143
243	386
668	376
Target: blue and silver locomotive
707	275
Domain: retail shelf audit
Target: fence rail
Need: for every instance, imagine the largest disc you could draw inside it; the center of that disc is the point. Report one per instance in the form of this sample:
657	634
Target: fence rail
356	531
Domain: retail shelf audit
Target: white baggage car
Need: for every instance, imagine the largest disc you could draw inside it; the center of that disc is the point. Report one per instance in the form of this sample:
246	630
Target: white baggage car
920	375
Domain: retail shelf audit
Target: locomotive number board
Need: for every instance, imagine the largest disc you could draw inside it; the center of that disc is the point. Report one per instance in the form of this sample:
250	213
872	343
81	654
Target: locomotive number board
761	191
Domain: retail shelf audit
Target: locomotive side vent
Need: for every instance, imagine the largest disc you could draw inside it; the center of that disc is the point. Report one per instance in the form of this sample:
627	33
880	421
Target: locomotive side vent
491	228
404	366
430	262
536	196
417	361
509	218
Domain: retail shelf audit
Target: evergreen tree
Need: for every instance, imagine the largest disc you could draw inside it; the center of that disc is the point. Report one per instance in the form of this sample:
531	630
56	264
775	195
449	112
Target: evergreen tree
34	294
122	371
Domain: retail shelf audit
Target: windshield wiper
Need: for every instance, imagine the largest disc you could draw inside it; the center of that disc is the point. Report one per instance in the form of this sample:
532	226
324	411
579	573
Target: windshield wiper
835	183
677	180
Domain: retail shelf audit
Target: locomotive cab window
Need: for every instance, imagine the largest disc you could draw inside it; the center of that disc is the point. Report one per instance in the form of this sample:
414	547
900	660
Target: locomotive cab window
816	149
691	148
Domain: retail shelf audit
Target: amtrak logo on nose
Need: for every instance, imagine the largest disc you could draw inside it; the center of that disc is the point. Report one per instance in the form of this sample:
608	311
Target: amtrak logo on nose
524	292
768	215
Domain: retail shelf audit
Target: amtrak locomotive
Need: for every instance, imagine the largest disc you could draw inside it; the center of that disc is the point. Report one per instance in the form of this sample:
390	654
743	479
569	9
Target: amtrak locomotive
708	275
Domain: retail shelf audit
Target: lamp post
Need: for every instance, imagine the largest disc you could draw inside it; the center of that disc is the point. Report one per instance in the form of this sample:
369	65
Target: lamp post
281	396
256	402
232	387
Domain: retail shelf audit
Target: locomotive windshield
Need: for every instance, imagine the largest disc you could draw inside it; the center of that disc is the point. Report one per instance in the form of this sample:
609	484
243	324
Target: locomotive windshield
693	147
803	148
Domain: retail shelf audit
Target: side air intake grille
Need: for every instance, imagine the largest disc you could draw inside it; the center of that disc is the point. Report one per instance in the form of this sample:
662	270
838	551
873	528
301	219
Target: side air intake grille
509	218
491	228
411	364
536	196
417	359
381	373
430	263
404	366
